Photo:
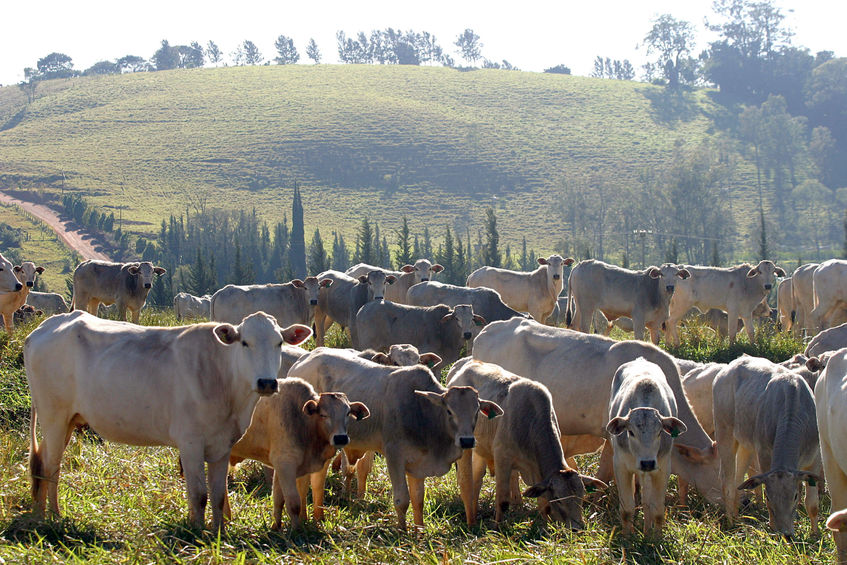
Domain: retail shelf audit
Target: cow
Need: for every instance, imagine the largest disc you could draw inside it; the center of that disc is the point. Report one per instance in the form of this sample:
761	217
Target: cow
26	314
24	279
534	292
642	427
50	302
803	294
574	365
735	290
189	387
402	355
343	298
828	340
188	306
9	282
525	439
485	301
785	304
123	284
439	329
419	426
643	295
409	275
296	431
718	320
831	404
837	522
291	303
829	290
764	409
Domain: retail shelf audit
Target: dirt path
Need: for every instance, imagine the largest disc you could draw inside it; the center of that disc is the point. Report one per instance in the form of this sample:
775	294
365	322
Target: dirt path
76	240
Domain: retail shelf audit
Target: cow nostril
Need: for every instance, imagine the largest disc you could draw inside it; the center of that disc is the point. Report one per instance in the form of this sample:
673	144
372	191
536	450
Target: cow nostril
266	386
340	440
18	286
669	288
556	277
29	284
468	335
768	287
313	302
648	465
467	442
146	285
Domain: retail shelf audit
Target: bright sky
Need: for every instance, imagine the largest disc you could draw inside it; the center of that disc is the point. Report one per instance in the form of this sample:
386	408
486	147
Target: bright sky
530	34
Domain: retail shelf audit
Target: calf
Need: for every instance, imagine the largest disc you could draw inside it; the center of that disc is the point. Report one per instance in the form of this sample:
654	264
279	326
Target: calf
766	410
642	425
418	425
187	306
344	297
50	302
296	431
485	301
525	439
24	275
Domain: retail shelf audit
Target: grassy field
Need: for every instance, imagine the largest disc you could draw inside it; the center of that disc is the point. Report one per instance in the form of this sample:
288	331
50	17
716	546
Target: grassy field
364	141
126	504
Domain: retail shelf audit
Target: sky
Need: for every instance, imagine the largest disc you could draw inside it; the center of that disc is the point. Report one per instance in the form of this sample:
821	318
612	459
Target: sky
530	34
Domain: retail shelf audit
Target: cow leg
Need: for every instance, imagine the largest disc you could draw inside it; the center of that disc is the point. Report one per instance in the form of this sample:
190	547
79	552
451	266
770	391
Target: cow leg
217	487
303	491
683	491
191	459
503	487
320	329
363	468
136	314
416	490
318	480
464	474
8	321
653	489
743	456
748	325
399	489
732	324
811	502
638	326
837	480
47	465
727	452
285	494
92	306
479	466
515	497
626	493
582	320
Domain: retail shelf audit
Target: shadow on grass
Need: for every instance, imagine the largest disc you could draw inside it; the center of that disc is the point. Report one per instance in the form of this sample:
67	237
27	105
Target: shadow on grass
669	106
64	533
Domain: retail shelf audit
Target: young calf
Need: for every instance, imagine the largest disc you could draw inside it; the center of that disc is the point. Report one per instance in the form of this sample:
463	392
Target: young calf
642	425
296	431
525	439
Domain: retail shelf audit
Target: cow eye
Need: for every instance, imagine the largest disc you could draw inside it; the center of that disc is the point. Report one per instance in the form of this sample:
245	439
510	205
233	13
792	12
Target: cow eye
630	434
449	412
244	343
280	345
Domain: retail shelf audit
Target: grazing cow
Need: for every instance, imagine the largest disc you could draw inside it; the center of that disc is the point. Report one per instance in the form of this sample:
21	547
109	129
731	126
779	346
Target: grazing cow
291	303
343	298
525	439
831	403
24	279
735	290
803	294
641	295
785	304
50	302
719	321
485	301
418	425
190	387
296	431
123	284
440	329
574	365
409	275
828	340
642	425
188	306
829	289
534	292
766	410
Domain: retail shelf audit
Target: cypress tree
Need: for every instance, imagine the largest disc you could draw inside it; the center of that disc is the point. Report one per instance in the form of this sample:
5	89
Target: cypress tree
403	255
491	253
297	246
318	260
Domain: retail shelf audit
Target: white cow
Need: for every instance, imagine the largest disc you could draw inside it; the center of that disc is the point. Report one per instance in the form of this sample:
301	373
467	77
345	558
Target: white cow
191	387
291	303
189	306
24	275
829	289
785	304
803	294
409	275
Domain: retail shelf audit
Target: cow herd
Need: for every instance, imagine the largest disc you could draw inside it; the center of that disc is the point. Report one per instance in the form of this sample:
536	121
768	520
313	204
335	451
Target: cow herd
527	399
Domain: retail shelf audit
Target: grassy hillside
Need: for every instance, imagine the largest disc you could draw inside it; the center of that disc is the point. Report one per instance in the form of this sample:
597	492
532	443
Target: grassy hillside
436	144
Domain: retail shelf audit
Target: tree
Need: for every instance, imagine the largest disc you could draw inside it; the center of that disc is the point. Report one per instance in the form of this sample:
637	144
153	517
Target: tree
364	243
165	58
318	259
446	255
403	254
672	40
560	69
297	245
247	54
132	64
312	51
191	56
55	65
469	46
822	151
102	68
29	85
340	253
214	53
490	252
287	52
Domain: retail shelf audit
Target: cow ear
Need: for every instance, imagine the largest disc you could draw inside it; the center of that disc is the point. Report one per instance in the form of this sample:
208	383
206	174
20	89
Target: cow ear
39	270
448	317
296	334
359	411
298	283
133	269
683	274
779	271
434	397
838	521
814	364
159	270
752	272
591	484
310	408
437	268
39	312
325	283
810	478
227	334
752	482
479	320
569	261
542	261
673	426
363	279
536	490
654	273
381	358
490	409
18	268
407	269
697	455
616	426
431	360
390	279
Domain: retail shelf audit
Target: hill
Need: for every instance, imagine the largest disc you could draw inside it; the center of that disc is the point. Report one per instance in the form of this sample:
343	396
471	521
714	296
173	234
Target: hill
436	144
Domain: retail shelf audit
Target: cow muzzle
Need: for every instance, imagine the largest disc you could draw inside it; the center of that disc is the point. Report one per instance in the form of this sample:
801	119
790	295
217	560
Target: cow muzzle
467	442
467	335
768	286
340	440
147	285
313	302
647	465
669	288
29	284
266	387
18	286
556	277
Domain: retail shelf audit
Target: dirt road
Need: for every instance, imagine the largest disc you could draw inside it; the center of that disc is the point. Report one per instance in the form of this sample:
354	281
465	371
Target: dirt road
76	240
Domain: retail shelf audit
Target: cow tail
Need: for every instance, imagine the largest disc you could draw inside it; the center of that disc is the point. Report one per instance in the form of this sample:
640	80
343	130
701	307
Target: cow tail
36	466
568	314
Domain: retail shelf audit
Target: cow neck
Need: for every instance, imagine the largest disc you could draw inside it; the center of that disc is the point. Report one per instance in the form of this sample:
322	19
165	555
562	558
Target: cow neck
551	292
792	425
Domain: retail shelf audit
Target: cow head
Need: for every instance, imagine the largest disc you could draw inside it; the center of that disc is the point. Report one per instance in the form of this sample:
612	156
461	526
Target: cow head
330	412
405	355
561	495
467	322
26	313
312	286
837	521
667	275
8	277
765	273
424	270
256	348
26	273
555	269
376	281
782	490
640	435
145	271
461	407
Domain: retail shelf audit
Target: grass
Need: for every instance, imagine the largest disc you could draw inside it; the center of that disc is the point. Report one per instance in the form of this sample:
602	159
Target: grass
124	504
